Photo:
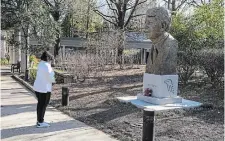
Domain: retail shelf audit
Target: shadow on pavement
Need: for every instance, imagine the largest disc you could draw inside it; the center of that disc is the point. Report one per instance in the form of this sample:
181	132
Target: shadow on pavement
7	110
58	126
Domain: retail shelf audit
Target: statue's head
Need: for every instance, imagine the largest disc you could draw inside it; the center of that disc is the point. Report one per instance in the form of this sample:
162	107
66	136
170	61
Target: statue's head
157	22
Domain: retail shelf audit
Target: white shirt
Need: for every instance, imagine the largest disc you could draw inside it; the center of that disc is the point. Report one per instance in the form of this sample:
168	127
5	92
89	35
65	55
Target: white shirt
44	78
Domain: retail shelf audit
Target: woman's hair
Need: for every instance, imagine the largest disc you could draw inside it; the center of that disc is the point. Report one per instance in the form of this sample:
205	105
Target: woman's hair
44	56
47	56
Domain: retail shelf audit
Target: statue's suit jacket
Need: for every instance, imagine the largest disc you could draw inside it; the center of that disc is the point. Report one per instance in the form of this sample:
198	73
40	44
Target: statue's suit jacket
162	58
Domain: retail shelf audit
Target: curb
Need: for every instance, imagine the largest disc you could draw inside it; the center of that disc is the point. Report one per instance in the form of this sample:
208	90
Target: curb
24	83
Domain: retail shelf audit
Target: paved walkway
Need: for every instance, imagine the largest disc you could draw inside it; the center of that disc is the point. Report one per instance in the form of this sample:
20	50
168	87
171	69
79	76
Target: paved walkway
18	118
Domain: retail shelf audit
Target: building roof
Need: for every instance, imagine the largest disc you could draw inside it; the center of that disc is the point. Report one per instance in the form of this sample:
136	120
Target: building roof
133	40
136	36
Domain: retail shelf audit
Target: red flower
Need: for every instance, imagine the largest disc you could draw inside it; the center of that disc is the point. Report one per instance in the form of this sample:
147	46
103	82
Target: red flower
148	92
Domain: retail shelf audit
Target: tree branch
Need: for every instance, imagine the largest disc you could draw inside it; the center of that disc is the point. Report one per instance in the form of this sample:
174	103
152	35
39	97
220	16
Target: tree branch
132	12
166	1
48	3
61	1
113	9
138	4
181	4
101	14
137	15
202	2
116	4
112	1
104	16
100	6
194	3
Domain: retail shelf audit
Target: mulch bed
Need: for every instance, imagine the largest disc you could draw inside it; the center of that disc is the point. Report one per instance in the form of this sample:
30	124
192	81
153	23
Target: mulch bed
94	103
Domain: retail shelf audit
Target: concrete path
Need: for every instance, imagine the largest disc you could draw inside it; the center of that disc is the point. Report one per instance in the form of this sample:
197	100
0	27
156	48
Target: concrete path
18	119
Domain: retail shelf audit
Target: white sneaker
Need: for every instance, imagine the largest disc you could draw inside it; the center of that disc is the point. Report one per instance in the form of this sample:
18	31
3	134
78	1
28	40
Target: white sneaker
42	125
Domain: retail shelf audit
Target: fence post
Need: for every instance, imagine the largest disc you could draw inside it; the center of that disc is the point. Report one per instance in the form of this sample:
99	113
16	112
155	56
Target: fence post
65	96
148	131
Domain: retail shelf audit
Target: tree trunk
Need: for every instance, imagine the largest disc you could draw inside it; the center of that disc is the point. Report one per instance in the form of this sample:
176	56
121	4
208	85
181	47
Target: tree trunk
57	46
26	36
121	40
173	8
56	16
168	6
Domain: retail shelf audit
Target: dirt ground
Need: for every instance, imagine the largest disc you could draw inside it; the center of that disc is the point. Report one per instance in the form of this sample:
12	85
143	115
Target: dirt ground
94	103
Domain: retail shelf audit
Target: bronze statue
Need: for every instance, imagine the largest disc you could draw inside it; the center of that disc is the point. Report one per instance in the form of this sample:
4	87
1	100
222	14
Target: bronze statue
162	58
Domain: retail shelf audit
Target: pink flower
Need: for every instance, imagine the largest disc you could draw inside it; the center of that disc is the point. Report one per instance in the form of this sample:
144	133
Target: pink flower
148	92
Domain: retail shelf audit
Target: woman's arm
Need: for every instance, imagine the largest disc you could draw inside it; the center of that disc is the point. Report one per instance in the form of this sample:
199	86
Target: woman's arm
49	73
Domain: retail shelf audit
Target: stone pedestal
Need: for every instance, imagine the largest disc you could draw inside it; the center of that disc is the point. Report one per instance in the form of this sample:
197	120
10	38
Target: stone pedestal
155	107
159	101
163	87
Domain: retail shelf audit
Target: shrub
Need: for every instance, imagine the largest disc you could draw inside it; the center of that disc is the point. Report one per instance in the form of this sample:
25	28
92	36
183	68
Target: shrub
4	61
195	33
186	65
32	74
34	61
212	61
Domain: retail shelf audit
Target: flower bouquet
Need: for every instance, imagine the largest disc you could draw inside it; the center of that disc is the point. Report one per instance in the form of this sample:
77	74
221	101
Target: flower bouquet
148	92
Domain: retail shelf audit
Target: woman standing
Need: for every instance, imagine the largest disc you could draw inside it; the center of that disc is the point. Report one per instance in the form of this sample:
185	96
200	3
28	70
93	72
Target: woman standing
43	88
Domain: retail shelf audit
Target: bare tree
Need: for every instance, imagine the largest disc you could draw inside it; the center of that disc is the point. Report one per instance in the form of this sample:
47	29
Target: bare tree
58	10
176	5
198	3
121	13
81	18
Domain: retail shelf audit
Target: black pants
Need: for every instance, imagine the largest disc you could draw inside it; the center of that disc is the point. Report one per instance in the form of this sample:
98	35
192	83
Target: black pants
43	100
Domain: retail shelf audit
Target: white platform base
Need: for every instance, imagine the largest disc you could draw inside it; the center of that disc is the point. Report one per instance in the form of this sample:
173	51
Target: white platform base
145	105
159	101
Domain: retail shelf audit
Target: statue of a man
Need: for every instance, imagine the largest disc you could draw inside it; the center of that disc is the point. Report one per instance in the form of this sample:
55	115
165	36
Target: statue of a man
162	58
